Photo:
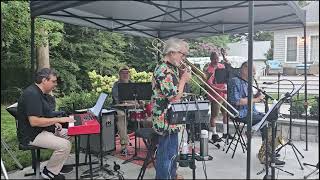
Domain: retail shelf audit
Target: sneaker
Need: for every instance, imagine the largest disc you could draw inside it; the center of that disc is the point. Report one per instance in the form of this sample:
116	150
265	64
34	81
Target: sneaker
46	174
215	138
124	152
66	169
224	136
279	162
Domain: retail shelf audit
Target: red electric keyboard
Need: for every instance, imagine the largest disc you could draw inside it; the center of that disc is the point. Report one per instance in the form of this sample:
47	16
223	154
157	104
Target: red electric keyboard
85	123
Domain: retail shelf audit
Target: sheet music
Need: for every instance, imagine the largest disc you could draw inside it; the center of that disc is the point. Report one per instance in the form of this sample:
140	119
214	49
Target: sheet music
275	105
96	109
258	125
13	105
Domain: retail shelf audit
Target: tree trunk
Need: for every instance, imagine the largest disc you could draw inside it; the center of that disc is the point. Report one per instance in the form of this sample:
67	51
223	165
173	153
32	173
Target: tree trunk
42	52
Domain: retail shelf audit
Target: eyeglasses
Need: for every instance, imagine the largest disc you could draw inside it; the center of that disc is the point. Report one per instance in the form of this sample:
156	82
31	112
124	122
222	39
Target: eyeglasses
184	54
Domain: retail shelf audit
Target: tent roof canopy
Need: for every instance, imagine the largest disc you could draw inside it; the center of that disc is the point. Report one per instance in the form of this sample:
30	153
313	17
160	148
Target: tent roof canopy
164	19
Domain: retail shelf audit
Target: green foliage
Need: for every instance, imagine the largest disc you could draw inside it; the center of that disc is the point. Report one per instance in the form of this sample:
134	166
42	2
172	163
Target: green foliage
8	134
15	44
10	95
297	106
140	53
303	3
101	83
105	83
314	109
140	76
80	100
53	32
204	46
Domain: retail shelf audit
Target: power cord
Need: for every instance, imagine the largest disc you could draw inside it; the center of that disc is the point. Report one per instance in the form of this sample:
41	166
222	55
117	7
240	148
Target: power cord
204	167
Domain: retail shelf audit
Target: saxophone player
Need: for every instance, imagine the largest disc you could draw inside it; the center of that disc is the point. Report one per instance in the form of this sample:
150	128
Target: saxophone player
239	98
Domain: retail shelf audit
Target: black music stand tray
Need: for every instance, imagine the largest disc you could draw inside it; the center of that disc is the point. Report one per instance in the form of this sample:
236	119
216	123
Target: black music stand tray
134	91
191	158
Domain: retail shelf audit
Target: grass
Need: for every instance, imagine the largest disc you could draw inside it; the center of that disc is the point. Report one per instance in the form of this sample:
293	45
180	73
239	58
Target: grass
9	135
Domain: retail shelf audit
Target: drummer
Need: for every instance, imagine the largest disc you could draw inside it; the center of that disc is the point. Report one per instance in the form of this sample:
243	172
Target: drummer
124	77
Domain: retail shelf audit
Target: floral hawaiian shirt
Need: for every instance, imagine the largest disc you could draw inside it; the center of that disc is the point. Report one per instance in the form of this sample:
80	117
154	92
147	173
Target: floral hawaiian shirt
165	86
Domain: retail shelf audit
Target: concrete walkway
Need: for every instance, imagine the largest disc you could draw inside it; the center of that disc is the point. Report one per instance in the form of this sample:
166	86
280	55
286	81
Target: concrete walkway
221	167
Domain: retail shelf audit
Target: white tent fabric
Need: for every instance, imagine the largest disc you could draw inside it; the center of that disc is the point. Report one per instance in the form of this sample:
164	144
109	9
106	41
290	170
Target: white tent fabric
163	19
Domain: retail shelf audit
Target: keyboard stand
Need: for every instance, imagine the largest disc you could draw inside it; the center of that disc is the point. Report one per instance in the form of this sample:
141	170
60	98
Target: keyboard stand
77	144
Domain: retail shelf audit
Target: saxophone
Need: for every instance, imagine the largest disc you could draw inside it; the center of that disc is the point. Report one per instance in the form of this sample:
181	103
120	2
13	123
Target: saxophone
278	141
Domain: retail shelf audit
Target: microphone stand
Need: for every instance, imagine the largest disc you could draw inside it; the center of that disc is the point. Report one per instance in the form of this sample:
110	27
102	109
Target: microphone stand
294	148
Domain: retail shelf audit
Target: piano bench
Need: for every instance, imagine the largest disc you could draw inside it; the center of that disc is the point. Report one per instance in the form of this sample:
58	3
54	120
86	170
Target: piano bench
35	154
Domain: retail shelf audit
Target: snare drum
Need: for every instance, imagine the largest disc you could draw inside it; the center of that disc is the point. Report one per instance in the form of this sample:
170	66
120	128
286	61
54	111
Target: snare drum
137	114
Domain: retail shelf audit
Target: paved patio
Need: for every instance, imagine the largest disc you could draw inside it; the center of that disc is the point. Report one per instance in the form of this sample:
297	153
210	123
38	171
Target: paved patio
221	167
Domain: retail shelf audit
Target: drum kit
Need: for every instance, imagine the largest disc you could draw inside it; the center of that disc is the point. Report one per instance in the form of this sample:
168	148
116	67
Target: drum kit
135	114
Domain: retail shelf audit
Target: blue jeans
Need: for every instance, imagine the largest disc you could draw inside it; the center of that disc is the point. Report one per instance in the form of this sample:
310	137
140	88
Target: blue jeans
256	118
166	165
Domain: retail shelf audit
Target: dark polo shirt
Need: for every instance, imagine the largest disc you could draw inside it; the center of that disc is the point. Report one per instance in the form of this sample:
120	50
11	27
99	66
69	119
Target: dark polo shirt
32	103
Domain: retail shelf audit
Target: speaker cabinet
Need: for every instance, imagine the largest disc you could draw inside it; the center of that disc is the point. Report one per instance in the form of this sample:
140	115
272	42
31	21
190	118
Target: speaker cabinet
108	134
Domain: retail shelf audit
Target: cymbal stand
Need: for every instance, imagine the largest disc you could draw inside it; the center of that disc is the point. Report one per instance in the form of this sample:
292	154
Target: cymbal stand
290	143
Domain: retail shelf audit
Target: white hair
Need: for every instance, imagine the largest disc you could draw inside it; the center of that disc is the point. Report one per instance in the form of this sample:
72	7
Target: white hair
174	45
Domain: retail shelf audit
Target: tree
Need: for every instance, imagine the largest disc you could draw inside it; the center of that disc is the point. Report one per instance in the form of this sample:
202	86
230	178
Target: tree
16	40
204	46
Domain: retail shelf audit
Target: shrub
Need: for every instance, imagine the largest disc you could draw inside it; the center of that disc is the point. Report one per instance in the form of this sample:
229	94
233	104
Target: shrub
314	110
10	95
297	108
81	100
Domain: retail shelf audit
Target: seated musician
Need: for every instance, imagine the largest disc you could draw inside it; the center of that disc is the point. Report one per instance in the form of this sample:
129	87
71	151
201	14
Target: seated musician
124	76
37	127
239	98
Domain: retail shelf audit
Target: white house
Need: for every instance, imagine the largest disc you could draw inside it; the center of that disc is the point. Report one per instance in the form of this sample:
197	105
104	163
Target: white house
288	44
238	53
260	48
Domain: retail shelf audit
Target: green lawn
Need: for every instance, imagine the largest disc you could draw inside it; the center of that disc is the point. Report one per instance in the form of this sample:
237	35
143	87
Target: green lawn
8	134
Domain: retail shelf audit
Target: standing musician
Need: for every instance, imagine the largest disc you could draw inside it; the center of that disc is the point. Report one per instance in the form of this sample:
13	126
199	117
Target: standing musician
215	107
239	98
168	87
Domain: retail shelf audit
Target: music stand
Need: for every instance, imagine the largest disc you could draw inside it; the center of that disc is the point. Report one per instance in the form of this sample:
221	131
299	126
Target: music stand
272	116
134	91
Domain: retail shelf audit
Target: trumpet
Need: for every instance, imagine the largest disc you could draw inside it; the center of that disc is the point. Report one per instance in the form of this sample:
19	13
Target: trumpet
187	65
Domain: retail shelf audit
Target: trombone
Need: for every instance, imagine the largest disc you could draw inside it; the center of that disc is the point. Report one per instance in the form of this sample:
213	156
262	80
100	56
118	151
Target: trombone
185	64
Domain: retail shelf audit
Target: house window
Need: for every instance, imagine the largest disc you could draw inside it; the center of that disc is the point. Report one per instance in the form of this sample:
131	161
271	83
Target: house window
291	49
314	53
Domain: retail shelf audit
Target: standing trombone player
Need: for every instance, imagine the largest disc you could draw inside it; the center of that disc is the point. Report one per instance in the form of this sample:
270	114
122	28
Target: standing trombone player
168	87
